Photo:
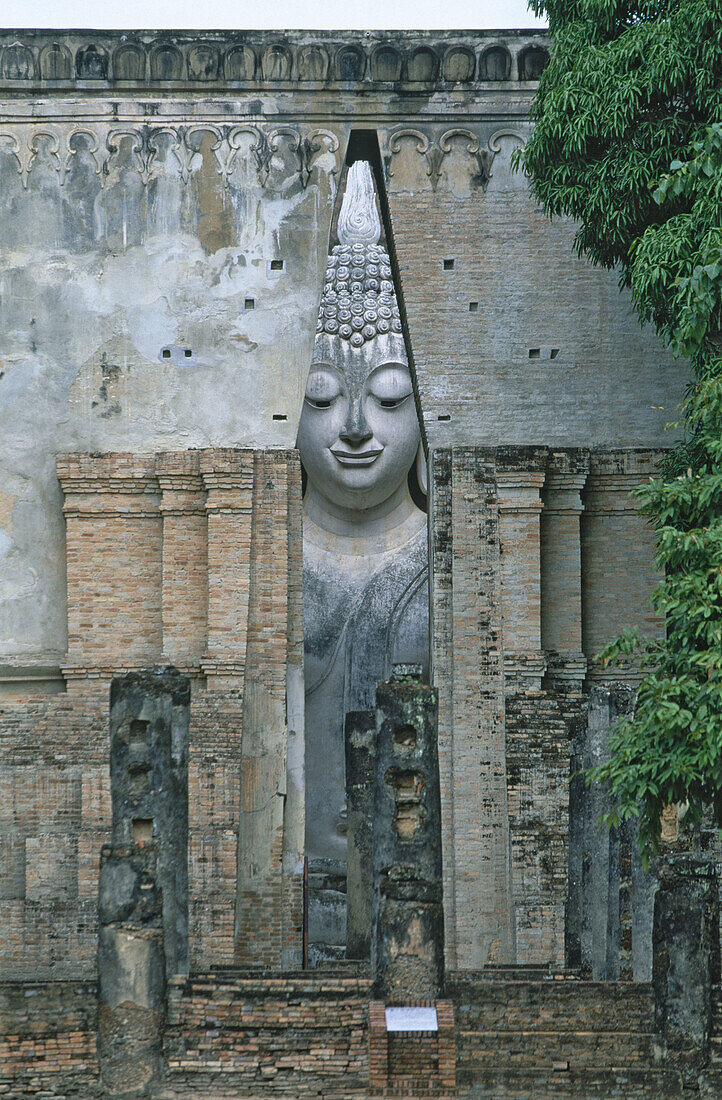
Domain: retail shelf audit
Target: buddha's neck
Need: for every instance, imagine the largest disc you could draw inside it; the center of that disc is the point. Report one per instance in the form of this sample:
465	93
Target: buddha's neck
361	531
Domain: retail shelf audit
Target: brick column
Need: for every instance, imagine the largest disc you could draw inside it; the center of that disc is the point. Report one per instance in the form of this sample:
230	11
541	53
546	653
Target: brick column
446	1037
378	1049
520	477
131	972
270	840
468	671
686	962
407	925
185	558
228	480
149	719
618	573
561	568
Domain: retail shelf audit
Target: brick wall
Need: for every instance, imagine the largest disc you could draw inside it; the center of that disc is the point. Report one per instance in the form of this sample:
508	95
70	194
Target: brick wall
617	554
216	535
55	814
274	1034
47	1039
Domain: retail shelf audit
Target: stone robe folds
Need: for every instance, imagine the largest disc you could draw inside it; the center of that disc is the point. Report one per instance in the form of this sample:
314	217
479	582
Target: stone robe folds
363	613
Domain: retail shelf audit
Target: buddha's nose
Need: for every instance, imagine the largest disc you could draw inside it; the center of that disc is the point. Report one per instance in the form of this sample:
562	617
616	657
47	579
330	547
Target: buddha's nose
356	429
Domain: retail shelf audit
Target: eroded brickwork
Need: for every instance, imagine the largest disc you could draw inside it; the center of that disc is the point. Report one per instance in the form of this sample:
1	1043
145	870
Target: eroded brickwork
539	731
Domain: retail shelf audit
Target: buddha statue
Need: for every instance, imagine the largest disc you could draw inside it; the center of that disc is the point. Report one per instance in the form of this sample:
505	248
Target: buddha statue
365	579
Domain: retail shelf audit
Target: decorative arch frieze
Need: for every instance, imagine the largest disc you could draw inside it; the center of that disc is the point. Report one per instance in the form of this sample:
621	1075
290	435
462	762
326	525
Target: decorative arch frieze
505	132
301	147
33	58
56	62
434	152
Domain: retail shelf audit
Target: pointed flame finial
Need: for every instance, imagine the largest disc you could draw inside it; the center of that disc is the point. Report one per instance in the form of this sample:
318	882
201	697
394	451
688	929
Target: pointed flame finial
359	221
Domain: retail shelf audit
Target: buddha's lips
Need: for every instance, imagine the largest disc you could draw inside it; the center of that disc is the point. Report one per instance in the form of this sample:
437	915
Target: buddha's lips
355	458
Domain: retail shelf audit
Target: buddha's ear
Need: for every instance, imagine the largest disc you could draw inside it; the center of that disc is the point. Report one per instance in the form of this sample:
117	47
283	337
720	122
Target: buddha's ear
422	475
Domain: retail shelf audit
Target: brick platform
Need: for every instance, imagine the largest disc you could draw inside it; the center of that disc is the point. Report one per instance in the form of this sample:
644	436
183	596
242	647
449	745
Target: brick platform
236	1034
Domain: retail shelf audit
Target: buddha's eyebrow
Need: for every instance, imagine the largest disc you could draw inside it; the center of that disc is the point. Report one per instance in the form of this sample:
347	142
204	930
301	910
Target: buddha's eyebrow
390	366
317	367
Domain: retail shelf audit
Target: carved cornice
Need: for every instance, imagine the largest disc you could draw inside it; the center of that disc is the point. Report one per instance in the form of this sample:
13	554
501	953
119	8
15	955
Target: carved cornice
92	60
103	141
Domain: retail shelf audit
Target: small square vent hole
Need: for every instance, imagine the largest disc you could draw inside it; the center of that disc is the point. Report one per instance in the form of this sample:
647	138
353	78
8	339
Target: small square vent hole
142	830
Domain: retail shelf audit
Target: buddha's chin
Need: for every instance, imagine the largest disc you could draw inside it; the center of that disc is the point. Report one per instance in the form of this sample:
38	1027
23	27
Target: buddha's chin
359	487
355	492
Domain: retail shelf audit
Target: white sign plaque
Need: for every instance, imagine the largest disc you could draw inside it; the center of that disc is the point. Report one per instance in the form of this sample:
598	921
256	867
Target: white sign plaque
411	1018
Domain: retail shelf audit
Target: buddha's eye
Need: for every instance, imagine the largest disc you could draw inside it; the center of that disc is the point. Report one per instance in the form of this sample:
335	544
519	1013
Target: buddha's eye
322	390
391	402
390	385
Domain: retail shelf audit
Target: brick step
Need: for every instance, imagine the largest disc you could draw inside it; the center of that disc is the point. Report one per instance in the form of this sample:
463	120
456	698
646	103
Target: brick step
340	971
412	1089
717	1009
551	1005
228	1086
252	1046
592	1083
53	1086
243	1019
513	972
223	995
539	1048
546	1021
222	1080
713	1081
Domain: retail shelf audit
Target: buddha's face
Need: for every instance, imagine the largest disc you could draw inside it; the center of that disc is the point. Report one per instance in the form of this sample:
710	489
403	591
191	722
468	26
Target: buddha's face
359	432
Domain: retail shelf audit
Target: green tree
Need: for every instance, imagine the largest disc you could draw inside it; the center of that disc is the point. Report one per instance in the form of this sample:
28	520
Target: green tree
628	142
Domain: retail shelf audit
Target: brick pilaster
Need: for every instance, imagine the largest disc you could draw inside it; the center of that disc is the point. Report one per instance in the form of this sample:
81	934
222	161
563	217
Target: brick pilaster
113	550
561	568
378	1049
520	477
617	555
185	557
228	480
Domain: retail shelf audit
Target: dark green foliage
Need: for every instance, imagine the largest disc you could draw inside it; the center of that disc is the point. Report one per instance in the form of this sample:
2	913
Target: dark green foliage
628	141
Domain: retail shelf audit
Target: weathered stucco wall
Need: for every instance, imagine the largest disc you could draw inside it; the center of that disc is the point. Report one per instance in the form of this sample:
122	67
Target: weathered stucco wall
151	187
158	292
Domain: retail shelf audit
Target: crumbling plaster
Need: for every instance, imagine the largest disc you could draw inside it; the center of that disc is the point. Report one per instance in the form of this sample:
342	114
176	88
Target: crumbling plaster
101	272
